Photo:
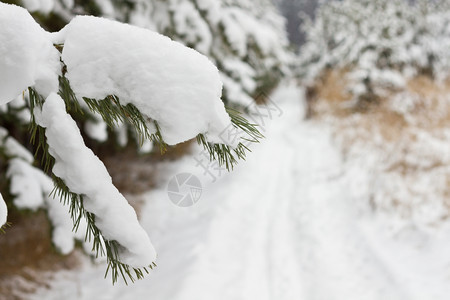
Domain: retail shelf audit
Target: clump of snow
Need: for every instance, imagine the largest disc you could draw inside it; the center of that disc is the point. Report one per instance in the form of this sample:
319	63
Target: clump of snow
3	211
235	92
25	180
27	56
240	27
13	148
242	73
85	174
191	26
63	236
25	184
235	36
168	82
31	189
97	129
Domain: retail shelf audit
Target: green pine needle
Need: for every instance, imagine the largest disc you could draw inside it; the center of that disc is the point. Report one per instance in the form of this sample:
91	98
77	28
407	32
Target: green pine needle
226	155
4	226
114	113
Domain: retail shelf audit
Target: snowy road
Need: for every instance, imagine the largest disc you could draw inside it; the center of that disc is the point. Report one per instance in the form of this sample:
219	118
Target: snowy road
283	225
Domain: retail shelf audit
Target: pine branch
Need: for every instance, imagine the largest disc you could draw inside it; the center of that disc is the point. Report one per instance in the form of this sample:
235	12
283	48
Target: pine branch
67	94
4	226
113	113
100	245
36	100
226	155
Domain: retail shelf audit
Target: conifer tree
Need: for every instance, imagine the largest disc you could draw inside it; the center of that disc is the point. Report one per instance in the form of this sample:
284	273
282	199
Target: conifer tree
46	79
245	39
381	43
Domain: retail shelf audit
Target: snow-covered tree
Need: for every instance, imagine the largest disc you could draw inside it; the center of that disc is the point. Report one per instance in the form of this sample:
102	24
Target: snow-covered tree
167	92
380	42
245	39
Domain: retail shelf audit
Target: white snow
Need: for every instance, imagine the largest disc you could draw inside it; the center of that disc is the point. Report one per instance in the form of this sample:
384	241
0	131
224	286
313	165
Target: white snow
291	222
168	82
235	92
13	148
25	184
189	24
241	72
85	174
27	56
25	180
62	235
97	129
3	211
31	189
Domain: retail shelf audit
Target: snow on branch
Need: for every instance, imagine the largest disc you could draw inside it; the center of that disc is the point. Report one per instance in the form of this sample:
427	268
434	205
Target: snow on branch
27	56
3	213
169	83
85	174
169	93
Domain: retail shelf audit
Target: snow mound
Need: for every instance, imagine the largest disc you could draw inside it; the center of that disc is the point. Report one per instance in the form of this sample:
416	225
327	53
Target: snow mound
3	211
27	56
168	82
32	189
115	218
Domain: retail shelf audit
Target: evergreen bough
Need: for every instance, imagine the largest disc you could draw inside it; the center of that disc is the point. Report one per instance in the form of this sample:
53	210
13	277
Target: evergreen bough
114	113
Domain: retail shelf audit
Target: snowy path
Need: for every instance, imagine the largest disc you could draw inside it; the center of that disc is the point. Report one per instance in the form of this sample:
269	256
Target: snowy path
281	226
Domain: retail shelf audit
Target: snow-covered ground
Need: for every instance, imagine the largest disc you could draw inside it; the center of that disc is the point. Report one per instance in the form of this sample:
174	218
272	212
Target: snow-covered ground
286	224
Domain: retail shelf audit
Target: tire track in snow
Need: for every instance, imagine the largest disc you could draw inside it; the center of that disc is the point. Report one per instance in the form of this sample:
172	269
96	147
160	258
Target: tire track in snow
292	232
281	226
335	255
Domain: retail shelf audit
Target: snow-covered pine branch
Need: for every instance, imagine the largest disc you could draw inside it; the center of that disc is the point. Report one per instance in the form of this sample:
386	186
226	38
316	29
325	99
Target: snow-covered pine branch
168	92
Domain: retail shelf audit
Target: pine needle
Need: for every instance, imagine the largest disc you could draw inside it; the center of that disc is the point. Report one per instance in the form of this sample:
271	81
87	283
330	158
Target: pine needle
114	113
